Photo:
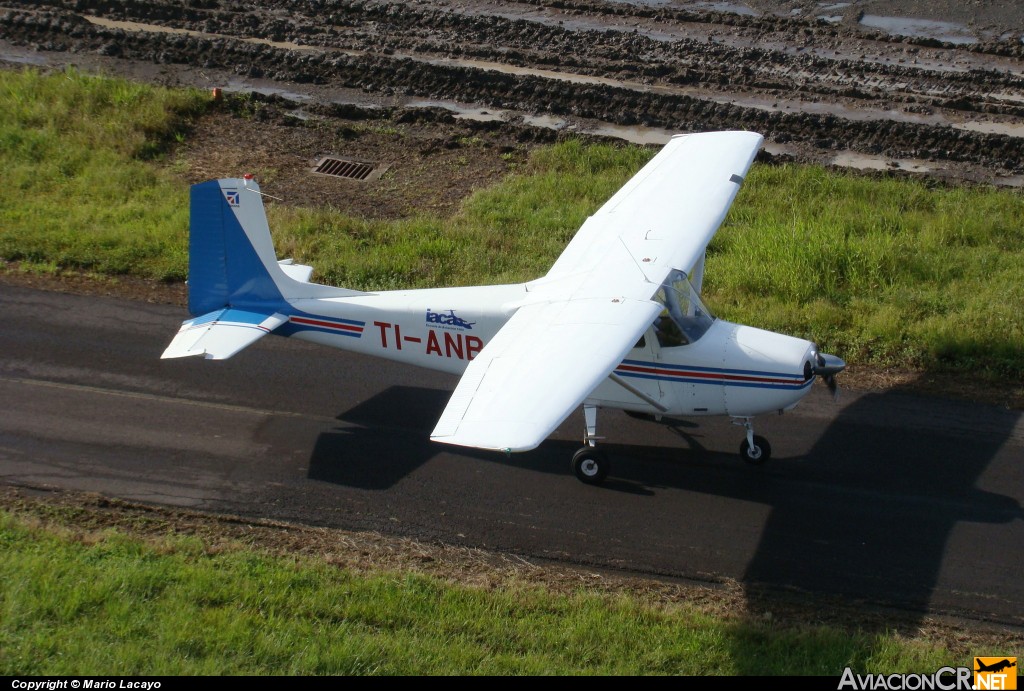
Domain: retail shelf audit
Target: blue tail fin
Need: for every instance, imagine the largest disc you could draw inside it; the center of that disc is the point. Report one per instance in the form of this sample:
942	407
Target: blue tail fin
231	255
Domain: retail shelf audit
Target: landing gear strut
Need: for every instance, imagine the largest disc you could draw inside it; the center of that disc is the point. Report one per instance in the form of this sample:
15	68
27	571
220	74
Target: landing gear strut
589	464
755	449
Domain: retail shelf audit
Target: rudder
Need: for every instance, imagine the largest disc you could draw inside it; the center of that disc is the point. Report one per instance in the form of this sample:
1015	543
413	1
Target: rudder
225	266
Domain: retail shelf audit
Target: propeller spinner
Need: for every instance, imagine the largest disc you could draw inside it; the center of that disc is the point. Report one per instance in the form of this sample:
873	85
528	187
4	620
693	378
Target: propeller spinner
825	366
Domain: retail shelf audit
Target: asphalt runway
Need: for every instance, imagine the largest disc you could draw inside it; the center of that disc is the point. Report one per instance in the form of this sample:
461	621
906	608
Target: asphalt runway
886	498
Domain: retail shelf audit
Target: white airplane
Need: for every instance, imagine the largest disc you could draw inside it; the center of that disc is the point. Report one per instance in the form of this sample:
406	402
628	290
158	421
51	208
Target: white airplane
616	323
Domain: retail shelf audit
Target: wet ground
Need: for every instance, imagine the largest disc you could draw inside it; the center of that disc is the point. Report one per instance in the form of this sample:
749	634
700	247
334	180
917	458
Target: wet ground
926	88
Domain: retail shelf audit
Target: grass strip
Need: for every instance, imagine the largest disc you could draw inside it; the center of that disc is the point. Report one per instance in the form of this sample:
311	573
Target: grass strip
100	603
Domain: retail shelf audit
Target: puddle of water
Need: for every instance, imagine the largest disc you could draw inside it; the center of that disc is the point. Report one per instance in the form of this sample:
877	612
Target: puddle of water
950	32
636	135
633	134
22	59
832	6
857	161
462	111
852	159
776	149
733	8
992	128
157	29
466	112
549	121
730	7
243	85
525	71
648	3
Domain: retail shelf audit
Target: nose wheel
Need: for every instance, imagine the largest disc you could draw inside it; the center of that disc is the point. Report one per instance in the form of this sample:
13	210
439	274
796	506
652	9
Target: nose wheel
755	449
756	453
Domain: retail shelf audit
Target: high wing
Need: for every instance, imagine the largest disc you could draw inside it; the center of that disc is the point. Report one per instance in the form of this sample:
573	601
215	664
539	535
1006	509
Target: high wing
666	214
595	303
538	368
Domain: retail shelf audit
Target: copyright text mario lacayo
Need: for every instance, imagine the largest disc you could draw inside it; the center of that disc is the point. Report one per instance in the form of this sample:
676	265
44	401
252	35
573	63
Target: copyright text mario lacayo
54	684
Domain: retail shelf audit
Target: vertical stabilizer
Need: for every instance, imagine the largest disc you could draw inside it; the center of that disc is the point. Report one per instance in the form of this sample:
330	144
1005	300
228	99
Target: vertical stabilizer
232	262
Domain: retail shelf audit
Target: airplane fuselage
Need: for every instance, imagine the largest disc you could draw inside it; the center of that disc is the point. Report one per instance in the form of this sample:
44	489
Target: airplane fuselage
730	370
616	322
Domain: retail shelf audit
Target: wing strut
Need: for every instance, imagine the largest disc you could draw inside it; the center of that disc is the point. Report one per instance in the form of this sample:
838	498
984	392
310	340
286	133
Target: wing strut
637	392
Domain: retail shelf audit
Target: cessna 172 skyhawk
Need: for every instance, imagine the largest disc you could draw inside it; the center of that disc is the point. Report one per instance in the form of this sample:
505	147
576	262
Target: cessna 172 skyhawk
616	323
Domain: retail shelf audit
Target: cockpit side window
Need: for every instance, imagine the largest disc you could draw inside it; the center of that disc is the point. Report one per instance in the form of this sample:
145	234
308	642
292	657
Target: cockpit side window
684	318
668	332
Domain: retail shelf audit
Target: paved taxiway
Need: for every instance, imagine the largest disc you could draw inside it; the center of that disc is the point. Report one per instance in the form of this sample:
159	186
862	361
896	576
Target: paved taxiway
885	497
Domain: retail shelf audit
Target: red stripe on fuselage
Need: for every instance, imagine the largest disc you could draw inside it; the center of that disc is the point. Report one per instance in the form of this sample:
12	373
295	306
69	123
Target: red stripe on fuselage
689	374
328	325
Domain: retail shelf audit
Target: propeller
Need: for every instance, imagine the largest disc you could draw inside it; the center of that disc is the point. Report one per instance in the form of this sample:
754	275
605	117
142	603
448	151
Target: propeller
827	367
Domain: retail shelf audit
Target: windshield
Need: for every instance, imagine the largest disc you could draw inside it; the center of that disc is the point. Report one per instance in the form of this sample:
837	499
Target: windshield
684	318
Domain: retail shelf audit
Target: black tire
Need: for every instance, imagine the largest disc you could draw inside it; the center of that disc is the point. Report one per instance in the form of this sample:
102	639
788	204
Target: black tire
590	465
761	452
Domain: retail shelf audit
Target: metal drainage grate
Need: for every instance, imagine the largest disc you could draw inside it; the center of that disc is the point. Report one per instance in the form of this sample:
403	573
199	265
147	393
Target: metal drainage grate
347	168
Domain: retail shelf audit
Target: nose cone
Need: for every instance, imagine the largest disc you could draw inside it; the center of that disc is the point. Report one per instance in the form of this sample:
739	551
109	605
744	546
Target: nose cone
825	366
769	371
774	351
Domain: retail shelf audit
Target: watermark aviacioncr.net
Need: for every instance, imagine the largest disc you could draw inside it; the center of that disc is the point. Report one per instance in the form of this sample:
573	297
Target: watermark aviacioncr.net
988	674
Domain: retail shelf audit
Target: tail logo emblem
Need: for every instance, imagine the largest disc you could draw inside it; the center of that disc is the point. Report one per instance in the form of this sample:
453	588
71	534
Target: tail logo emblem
232	197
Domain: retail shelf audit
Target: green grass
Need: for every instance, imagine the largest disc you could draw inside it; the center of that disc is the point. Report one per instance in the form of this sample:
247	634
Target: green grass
89	604
80	186
509	233
887	271
878	271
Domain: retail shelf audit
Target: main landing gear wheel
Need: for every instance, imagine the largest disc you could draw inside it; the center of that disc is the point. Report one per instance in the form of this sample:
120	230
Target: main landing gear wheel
590	465
757	454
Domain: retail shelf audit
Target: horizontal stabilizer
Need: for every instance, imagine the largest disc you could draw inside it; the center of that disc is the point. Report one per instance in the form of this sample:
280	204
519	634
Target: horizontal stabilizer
296	272
219	335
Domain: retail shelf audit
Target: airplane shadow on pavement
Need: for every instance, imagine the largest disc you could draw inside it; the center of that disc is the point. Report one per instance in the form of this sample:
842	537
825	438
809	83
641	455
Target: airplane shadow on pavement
887	484
868	512
385	439
890	478
865	515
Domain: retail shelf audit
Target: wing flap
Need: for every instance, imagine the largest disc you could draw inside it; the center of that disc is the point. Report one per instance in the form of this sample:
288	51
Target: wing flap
220	334
542	364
